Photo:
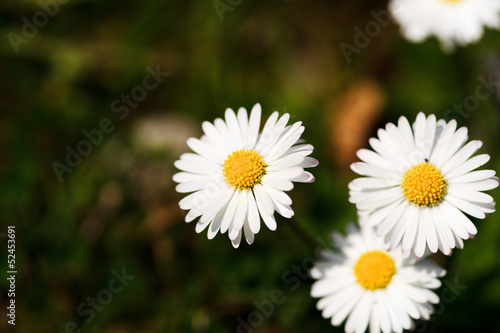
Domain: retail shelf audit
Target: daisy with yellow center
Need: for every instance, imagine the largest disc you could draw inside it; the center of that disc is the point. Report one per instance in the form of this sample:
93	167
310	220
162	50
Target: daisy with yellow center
419	183
367	286
453	22
239	176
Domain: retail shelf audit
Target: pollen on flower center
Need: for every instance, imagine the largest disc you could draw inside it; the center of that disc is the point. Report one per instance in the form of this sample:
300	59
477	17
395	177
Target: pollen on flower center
244	169
424	185
374	270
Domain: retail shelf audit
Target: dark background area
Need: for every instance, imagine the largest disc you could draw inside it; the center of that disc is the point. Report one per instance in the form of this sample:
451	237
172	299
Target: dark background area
117	209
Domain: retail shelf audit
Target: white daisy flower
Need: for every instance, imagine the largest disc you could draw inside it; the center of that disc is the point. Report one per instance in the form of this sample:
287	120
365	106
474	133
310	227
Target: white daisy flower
451	21
239	176
419	184
373	287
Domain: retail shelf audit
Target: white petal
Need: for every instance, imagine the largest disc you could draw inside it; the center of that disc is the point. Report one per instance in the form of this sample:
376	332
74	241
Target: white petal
267	132
182	177
472	177
214	135
384	320
264	202
288	173
230	211
385	148
286	162
406	132
205	150
309	162
400	226
277	195
304	177
243	123
328	286
366	169
392	218
375	159
386	197
380	214
360	315
236	241
398	140
442	227
282	146
200	226
253	214
372	182
465	206
343	312
339	301
197	167
215	225
467	166
270	221
221	127
395	323
473	196
249	235
430	131
233	127
240	216
430	230
409	238
306	149
452	214
254	125
403	317
455	143
277	183
198	184
483	185
443	141
268	139
403	302
420	243
461	156
216	204
460	217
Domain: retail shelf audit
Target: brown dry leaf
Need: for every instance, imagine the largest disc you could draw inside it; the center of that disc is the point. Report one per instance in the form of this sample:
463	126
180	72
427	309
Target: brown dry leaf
351	120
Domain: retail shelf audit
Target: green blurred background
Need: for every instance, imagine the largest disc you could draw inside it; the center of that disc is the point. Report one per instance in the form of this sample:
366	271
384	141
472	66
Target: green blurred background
118	209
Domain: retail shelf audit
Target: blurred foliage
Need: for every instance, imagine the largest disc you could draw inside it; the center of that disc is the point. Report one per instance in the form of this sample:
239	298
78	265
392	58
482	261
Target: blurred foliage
118	208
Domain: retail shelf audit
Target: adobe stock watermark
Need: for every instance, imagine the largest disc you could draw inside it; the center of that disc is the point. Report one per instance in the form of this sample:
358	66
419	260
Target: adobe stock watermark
362	38
120	106
448	295
222	6
87	309
30	27
471	103
292	278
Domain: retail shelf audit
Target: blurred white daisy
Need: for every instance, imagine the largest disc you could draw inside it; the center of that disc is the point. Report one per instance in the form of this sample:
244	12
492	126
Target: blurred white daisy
239	176
453	22
373	287
418	184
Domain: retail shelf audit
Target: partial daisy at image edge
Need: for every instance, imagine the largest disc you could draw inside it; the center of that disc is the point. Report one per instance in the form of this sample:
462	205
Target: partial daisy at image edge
419	183
452	22
366	286
238	175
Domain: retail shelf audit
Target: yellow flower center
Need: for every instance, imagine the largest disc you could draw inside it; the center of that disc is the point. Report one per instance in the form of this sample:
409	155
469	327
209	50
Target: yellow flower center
244	169
451	0
424	185
374	270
